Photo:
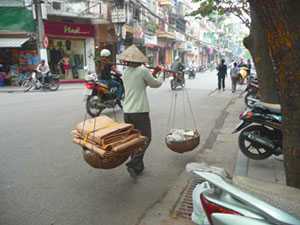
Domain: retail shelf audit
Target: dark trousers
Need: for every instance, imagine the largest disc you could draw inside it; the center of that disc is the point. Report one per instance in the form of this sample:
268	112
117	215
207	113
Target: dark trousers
141	122
234	81
221	82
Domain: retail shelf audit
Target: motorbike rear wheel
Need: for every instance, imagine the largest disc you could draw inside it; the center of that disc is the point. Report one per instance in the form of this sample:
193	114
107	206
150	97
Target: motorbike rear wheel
94	105
254	150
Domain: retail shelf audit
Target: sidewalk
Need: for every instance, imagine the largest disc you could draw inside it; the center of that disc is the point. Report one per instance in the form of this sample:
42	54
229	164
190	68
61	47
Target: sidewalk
11	89
175	207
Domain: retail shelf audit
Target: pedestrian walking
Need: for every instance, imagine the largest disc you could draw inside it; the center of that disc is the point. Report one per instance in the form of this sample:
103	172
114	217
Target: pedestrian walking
234	74
222	73
136	108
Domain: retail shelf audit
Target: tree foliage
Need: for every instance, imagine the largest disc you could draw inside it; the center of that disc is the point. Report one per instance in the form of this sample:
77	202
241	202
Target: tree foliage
239	8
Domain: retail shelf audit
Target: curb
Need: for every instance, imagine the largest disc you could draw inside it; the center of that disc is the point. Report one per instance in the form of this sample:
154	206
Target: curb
241	165
64	87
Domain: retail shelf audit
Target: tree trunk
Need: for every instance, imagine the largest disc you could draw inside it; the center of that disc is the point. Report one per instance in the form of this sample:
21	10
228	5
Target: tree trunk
255	43
281	22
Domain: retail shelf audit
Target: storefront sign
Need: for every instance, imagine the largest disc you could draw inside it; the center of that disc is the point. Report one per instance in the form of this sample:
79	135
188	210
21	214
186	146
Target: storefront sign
118	15
69	29
150	40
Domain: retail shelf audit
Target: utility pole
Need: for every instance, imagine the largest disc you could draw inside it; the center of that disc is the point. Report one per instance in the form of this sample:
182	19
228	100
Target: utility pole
40	29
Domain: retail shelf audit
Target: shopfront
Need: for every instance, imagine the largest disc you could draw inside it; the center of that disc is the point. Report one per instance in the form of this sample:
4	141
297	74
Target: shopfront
70	49
18	55
18	58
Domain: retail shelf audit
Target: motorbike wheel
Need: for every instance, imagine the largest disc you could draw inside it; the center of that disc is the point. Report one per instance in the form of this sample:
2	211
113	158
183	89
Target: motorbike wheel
249	103
27	85
254	150
94	107
173	85
53	85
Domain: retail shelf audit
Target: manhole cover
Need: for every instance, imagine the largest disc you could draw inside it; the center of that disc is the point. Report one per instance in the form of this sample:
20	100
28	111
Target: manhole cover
185	205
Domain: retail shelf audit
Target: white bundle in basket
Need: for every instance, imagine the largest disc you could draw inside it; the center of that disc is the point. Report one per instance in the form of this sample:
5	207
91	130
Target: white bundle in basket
179	135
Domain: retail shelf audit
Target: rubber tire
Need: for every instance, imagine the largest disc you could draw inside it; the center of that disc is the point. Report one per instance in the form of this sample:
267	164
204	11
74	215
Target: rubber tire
27	85
55	85
265	155
249	94
88	109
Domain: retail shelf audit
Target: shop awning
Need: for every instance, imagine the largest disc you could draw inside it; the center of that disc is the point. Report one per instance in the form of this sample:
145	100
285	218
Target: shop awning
12	42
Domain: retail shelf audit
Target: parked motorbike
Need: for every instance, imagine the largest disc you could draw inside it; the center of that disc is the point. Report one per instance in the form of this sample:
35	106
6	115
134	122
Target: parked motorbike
261	134
225	204
252	93
99	96
51	82
177	80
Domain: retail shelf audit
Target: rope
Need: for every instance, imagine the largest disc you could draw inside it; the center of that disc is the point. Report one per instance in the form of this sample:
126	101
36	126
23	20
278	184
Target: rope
184	111
170	113
191	109
174	109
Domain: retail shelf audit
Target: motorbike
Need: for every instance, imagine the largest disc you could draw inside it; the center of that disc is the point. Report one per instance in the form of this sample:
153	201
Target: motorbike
261	134
222	202
252	93
177	80
51	82
99	96
191	73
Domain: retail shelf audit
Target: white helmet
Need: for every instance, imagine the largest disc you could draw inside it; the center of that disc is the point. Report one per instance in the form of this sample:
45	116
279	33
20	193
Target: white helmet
105	53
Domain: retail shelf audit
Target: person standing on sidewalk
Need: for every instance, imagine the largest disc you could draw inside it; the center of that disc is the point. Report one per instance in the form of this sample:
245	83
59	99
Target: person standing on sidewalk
222	73
234	74
136	108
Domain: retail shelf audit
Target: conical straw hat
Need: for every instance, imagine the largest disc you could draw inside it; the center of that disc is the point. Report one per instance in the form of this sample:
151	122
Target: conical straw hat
133	54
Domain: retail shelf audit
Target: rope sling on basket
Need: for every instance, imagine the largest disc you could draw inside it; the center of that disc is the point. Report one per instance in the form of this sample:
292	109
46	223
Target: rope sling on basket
107	144
181	140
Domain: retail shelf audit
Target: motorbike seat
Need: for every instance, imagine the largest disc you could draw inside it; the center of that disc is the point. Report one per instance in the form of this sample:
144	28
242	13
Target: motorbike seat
275	108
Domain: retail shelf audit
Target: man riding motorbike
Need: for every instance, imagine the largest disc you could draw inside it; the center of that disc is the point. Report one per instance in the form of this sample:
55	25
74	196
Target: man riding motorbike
42	71
178	78
178	67
106	74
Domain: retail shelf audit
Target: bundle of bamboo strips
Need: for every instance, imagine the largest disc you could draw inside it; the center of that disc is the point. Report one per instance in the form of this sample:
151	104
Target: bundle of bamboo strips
107	140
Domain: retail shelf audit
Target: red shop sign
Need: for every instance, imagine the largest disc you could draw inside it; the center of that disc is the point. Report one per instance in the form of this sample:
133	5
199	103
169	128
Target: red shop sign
69	29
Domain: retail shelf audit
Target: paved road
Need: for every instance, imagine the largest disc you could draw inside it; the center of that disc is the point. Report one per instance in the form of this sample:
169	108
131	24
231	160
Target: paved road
43	179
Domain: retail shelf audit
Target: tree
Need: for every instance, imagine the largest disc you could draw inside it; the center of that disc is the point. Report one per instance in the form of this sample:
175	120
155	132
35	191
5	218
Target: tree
275	40
254	42
280	21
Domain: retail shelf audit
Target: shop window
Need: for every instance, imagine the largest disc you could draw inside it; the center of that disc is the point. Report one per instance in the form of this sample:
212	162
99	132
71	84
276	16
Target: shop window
67	57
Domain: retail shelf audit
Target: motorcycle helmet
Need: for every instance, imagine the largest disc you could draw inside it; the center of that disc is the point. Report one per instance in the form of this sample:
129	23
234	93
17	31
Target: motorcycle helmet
105	53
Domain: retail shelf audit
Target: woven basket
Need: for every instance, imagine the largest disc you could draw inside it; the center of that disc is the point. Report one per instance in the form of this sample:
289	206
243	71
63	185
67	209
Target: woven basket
184	146
110	159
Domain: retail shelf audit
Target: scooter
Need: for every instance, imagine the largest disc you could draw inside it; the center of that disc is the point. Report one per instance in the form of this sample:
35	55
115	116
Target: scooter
99	96
177	80
252	93
261	134
225	204
191	73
